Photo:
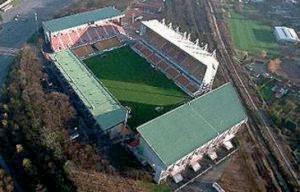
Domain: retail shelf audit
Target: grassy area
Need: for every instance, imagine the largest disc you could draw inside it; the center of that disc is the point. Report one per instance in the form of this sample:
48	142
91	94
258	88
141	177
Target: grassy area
266	93
136	84
151	187
16	2
266	90
252	36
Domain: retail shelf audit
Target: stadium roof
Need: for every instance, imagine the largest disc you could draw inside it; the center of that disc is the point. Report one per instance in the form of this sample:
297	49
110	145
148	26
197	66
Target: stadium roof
186	128
105	109
67	22
187	46
286	34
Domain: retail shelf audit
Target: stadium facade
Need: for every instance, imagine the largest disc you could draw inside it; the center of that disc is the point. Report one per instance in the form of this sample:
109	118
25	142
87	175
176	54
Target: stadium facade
180	138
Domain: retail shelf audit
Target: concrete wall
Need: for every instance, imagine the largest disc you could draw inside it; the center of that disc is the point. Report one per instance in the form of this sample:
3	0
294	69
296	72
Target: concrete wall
152	159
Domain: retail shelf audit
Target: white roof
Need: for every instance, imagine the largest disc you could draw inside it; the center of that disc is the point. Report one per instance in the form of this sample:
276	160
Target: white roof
286	34
182	41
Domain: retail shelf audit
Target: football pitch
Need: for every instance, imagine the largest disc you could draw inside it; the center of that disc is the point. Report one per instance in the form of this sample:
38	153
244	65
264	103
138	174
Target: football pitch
251	36
132	80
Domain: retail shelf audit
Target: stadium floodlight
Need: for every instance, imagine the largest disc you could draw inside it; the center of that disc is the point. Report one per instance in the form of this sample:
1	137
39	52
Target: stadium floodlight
36	20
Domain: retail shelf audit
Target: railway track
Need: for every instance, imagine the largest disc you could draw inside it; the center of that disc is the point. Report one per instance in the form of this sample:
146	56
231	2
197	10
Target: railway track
259	125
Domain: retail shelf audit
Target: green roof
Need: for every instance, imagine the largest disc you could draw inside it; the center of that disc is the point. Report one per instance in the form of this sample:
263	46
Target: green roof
106	110
82	18
184	129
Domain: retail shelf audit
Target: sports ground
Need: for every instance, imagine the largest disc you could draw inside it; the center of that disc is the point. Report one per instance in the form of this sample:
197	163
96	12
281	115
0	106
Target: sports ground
252	36
133	81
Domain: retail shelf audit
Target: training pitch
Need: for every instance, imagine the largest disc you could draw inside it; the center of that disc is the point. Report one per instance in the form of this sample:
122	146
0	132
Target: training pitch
133	81
252	36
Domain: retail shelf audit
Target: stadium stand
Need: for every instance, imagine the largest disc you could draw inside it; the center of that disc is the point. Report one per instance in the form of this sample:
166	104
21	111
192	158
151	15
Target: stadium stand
99	103
90	35
176	49
78	37
85	28
172	72
108	44
178	141
165	66
154	58
84	51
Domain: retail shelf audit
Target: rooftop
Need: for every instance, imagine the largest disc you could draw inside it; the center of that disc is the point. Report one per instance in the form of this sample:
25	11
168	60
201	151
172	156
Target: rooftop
106	110
182	41
285	33
184	129
67	22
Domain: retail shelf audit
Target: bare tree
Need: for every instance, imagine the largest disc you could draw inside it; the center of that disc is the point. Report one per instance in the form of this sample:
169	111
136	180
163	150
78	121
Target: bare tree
274	65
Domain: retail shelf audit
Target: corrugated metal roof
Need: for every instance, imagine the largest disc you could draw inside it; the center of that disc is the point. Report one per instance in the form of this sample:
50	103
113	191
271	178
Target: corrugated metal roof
82	18
184	129
178	39
107	111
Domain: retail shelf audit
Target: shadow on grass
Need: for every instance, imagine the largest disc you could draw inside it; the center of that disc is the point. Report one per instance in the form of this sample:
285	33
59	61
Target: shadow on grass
264	35
125	65
153	93
142	113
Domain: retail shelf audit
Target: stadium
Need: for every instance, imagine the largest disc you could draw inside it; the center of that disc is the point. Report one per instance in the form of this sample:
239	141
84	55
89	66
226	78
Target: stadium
158	84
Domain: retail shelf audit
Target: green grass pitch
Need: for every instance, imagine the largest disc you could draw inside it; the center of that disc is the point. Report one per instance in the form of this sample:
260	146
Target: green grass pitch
132	80
252	36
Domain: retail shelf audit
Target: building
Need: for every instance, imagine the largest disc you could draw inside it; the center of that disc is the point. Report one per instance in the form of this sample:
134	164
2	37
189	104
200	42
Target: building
190	59
180	138
79	29
101	106
80	36
286	35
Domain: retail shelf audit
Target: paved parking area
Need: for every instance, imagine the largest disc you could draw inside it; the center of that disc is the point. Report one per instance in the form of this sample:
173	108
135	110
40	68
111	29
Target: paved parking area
19	24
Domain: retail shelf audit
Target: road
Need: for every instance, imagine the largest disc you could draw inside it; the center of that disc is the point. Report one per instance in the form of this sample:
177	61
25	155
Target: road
260	125
15	32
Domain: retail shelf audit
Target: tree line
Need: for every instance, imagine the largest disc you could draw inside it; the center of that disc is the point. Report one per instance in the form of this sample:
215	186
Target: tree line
44	157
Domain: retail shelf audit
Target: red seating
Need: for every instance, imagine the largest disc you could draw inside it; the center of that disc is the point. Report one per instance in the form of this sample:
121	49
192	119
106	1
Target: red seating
163	65
110	30
93	34
146	51
56	43
108	44
180	57
87	35
182	80
199	71
84	51
64	37
102	32
192	88
154	58
172	72
188	64
74	37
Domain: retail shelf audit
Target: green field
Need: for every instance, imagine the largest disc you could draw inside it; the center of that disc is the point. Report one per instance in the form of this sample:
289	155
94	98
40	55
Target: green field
136	84
252	36
266	90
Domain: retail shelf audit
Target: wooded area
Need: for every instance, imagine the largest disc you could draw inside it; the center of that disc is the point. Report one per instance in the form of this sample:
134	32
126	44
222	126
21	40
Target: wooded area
47	159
